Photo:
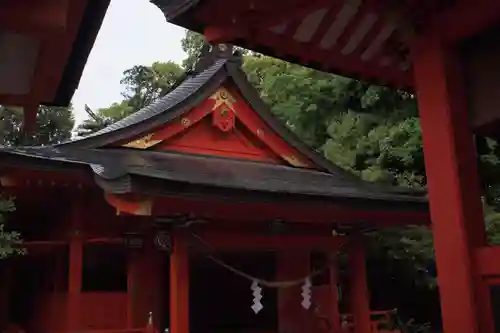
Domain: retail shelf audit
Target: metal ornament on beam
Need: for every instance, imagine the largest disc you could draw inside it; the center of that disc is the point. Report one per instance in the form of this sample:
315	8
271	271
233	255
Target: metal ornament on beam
163	241
134	240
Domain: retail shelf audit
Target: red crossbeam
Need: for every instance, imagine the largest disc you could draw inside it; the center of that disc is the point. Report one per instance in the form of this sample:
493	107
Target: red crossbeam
242	241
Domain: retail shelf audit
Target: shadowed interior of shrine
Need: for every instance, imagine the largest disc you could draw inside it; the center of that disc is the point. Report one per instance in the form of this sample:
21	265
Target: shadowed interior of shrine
220	299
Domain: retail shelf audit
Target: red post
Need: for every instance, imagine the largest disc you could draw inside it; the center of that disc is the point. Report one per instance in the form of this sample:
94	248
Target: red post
5	284
291	265
359	296
75	269
179	285
334	296
132	275
452	180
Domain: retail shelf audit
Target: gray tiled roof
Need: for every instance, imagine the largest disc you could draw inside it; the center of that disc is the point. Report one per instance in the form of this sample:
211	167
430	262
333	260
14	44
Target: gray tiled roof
186	89
114	165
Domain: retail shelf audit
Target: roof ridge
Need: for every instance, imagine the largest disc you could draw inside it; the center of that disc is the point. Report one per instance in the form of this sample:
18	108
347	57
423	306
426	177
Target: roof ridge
209	54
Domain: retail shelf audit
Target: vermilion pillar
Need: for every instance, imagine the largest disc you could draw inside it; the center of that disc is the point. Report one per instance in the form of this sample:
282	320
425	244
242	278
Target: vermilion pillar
5	287
359	296
452	180
75	268
145	285
179	285
334	296
291	265
133	272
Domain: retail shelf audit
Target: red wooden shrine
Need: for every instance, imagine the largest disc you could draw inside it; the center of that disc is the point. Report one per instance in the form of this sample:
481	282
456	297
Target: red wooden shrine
444	51
176	209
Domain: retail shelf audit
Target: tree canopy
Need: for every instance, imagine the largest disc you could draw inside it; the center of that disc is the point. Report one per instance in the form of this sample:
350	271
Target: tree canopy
143	85
54	125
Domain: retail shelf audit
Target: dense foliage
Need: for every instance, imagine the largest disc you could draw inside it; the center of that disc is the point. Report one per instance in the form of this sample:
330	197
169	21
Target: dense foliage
10	241
53	125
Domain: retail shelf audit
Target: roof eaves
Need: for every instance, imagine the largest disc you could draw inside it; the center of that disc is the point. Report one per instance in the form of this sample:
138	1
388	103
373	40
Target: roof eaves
174	8
184	97
82	46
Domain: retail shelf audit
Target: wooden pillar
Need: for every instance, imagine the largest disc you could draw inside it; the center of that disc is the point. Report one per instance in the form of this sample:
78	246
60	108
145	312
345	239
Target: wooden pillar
453	184
145	281
179	285
132	278
334	296
359	297
75	269
60	272
292	317
6	272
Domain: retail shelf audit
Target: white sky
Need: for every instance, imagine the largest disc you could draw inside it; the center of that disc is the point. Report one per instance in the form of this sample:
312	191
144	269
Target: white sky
134	32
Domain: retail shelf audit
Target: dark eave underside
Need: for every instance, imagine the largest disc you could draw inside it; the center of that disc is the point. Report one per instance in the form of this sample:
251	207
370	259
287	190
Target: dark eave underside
82	46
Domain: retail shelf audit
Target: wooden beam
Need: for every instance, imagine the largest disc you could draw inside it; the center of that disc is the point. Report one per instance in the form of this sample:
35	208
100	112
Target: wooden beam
179	285
288	13
290	266
334	61
15	100
359	295
334	296
54	53
264	16
29	118
40	18
73	314
244	23
465	19
215	35
488	264
221	241
293	212
452	180
133	275
54	243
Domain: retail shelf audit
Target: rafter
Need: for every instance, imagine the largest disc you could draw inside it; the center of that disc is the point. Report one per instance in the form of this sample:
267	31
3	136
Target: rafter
465	19
40	18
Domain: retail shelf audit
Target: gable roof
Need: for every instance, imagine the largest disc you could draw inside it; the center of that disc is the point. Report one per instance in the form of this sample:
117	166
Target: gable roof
117	170
216	67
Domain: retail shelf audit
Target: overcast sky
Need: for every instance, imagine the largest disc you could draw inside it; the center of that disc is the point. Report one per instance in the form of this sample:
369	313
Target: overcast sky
134	32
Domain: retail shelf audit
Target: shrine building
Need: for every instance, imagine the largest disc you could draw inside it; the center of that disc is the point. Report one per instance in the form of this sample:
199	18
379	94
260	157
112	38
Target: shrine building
200	213
446	53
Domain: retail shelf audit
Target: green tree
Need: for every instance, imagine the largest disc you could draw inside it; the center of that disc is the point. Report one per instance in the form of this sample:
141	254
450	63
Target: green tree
54	125
104	117
145	84
191	44
10	241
